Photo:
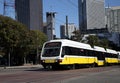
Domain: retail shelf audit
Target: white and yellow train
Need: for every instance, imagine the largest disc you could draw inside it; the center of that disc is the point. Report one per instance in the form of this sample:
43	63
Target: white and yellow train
72	54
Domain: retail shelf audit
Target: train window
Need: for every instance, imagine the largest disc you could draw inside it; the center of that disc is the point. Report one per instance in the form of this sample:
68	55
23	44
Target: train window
111	55
82	53
63	52
115	56
106	54
86	52
90	53
73	51
53	44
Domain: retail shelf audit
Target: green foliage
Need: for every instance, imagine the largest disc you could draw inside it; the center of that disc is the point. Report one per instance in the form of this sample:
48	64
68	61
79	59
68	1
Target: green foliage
37	38
12	33
104	43
95	41
16	39
77	36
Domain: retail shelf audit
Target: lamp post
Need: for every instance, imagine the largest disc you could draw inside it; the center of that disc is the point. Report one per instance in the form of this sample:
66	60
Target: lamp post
9	59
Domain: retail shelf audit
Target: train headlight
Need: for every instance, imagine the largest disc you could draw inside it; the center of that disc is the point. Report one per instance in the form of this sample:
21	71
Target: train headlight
56	60
43	61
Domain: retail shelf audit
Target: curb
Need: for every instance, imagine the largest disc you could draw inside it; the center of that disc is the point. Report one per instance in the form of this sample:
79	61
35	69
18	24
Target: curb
21	67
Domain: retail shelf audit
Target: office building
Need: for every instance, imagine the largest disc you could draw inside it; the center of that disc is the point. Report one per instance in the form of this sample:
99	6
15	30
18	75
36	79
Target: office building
50	16
91	15
63	30
113	19
113	24
29	12
45	28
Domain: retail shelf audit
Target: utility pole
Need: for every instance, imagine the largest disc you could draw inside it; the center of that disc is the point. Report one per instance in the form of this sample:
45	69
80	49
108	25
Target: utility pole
67	27
4	12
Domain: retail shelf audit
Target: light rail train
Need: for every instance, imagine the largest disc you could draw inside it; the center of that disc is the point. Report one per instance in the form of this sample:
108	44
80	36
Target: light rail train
72	54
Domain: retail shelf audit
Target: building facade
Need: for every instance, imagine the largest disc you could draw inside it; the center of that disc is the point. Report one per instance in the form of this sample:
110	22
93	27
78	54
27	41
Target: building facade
91	15
29	12
113	24
50	26
113	19
63	30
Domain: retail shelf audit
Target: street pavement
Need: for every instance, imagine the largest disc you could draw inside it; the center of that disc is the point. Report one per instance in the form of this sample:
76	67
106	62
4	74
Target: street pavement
110	76
36	74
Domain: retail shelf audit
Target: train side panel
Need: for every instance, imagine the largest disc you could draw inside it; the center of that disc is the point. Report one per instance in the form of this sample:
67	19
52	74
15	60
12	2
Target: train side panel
78	60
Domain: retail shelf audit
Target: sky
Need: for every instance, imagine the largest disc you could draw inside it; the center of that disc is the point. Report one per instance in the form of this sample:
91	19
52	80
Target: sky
62	7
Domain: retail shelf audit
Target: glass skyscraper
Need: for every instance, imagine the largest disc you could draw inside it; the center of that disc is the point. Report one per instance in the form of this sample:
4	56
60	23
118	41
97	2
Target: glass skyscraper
91	15
30	13
113	19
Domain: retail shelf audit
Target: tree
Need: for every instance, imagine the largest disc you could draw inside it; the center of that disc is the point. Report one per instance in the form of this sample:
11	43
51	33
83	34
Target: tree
93	40
37	39
12	35
77	36
16	41
104	43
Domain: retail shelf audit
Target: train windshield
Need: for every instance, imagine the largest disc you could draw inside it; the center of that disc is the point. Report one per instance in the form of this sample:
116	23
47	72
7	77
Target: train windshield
51	49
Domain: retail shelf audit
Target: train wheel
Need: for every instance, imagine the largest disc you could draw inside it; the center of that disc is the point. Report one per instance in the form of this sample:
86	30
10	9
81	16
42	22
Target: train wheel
93	65
44	66
55	67
105	63
73	66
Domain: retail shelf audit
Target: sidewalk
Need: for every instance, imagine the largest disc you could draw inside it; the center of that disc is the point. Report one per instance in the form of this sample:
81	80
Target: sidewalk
21	67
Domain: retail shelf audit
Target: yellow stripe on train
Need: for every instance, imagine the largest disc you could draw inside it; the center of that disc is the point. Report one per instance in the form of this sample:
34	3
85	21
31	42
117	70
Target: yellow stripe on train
78	60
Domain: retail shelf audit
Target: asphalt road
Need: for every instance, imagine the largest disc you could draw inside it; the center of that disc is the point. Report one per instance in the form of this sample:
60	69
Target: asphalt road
109	74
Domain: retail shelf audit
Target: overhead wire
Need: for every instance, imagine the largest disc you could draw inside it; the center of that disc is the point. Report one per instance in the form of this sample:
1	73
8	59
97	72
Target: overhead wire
73	4
70	6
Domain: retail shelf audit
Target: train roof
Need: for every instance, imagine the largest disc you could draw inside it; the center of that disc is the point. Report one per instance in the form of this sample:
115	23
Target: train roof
111	51
97	48
118	52
71	43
